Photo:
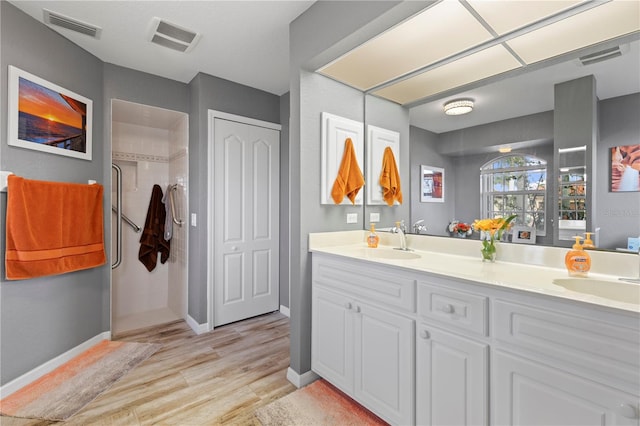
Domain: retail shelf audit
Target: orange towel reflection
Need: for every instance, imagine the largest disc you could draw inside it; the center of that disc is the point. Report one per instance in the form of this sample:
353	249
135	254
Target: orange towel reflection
350	179
390	178
52	228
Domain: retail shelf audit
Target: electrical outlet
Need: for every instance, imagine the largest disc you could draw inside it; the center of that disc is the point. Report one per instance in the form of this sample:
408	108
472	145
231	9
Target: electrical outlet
352	217
374	217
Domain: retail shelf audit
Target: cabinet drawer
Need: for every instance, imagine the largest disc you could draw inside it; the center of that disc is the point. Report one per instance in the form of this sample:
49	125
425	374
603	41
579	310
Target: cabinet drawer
365	281
453	308
588	344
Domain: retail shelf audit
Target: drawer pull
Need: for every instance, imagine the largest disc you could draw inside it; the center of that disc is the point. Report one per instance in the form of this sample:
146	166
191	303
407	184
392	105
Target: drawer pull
627	410
348	306
424	334
448	309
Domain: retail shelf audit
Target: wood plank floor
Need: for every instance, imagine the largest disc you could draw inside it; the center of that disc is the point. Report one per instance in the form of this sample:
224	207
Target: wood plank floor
216	378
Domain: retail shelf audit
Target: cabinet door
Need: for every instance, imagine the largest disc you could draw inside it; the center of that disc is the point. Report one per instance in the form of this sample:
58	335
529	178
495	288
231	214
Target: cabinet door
384	360
528	393
332	338
452	379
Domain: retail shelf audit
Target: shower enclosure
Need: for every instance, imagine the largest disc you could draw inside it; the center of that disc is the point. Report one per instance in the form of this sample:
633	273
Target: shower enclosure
149	146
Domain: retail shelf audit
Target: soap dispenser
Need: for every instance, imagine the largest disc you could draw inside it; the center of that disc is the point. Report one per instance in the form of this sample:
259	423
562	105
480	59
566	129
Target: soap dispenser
588	243
577	260
372	238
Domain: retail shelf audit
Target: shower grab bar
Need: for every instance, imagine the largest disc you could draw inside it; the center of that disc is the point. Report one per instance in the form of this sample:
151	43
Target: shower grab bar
172	200
127	220
118	260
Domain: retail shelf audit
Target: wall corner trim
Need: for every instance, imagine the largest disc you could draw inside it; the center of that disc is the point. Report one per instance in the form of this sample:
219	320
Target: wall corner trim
284	311
33	375
197	328
301	380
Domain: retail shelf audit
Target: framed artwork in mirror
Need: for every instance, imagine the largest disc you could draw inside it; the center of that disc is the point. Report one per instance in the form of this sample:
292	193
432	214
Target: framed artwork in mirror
46	117
432	184
625	168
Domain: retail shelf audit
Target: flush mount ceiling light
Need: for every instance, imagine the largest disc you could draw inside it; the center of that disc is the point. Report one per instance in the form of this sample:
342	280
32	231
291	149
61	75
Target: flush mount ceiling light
458	107
504	149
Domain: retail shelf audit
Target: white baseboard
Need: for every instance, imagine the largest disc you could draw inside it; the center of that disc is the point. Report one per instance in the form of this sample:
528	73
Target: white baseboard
284	310
33	375
301	380
197	328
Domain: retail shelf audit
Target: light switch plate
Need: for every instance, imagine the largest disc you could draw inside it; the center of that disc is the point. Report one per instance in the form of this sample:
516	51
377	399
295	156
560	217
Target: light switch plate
374	217
352	217
193	219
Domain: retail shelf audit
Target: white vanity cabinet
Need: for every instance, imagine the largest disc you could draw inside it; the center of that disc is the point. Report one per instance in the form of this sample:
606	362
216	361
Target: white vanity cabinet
359	343
421	348
564	366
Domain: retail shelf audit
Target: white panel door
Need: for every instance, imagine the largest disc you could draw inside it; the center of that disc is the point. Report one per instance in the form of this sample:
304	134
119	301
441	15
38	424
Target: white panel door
332	338
246	233
452	379
384	359
529	394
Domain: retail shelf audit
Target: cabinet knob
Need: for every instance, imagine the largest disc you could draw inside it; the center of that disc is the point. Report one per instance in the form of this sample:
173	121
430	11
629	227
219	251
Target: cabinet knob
627	410
448	309
358	309
348	305
424	334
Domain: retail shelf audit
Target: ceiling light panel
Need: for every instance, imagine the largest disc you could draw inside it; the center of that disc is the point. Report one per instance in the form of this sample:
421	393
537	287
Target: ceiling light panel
506	16
480	65
604	22
431	36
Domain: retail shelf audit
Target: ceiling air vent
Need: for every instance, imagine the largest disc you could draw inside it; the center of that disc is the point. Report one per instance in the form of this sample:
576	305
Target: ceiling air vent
54	18
600	56
172	36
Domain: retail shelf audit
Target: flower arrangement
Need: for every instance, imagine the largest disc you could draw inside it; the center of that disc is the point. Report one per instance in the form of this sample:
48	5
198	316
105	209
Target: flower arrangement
460	229
491	230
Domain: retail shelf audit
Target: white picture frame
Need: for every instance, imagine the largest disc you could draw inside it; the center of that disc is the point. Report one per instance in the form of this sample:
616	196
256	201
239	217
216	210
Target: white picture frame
45	117
523	234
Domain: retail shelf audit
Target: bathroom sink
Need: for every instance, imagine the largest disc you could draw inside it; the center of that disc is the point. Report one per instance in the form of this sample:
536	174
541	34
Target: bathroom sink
388	253
614	290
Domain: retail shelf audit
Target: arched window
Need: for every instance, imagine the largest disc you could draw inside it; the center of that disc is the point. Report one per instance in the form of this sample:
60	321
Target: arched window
515	183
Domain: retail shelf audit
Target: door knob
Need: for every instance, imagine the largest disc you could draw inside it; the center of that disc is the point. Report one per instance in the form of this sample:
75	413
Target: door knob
627	410
448	309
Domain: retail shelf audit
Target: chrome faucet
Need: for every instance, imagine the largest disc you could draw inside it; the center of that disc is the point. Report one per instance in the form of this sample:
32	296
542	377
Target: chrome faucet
401	230
419	226
634	280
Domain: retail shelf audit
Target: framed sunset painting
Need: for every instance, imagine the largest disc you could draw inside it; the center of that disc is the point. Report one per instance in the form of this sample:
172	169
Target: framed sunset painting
46	117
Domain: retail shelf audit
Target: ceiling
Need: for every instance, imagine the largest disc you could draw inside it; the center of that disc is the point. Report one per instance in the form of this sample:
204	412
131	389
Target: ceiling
504	55
243	41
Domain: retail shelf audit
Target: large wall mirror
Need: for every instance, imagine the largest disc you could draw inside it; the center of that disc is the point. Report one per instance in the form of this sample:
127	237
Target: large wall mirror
510	153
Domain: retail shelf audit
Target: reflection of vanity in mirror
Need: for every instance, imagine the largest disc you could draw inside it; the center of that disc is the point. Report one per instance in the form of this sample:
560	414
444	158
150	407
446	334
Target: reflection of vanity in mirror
586	97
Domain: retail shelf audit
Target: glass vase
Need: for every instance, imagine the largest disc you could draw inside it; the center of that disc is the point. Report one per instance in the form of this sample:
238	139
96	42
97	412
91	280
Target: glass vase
488	250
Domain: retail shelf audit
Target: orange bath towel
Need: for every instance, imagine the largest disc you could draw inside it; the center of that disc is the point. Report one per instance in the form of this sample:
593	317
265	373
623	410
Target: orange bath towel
52	228
350	178
390	178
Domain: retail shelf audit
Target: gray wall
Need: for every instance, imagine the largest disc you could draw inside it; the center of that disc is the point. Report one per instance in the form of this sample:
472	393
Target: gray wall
209	92
424	151
618	212
44	317
322	33
391	116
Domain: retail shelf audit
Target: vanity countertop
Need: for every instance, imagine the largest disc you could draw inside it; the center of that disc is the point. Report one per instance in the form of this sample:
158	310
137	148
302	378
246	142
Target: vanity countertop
462	260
